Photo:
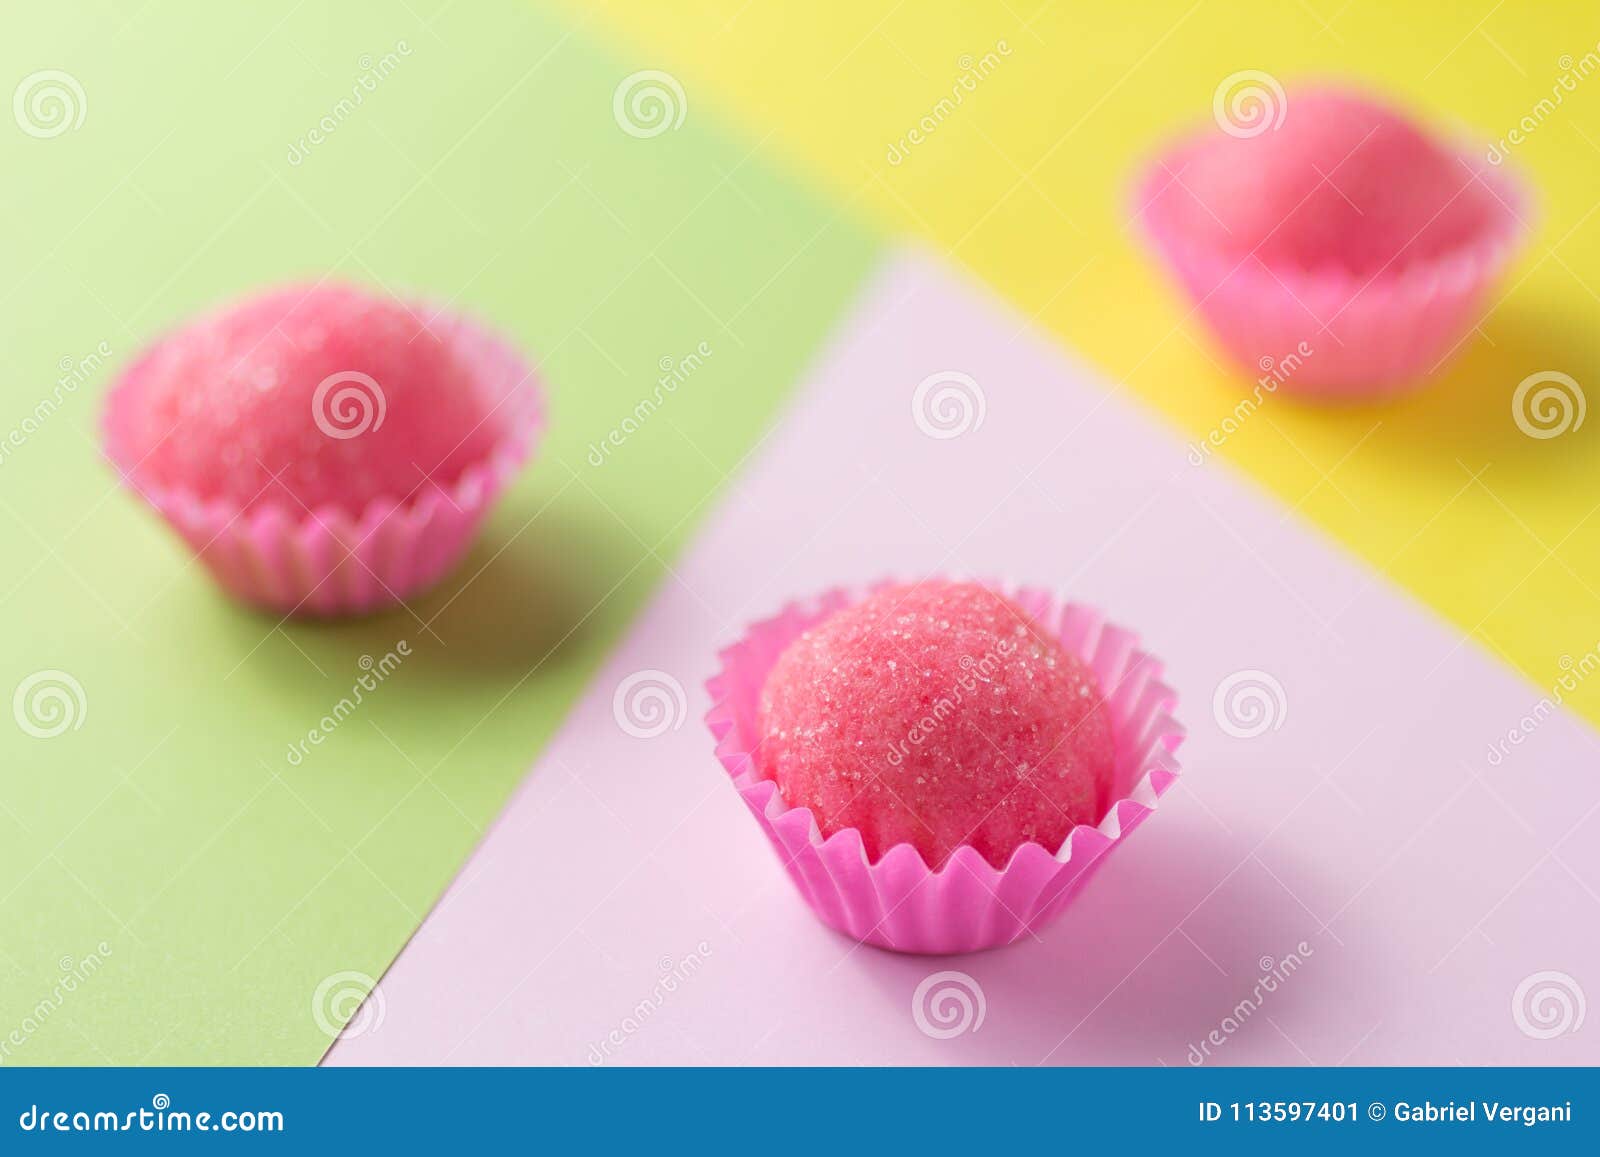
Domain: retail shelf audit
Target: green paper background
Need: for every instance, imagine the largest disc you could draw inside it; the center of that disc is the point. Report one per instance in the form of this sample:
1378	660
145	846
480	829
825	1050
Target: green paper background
486	168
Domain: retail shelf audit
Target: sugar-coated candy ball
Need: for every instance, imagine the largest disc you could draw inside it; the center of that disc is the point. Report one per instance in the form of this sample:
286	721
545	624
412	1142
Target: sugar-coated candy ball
1343	182
936	715
313	396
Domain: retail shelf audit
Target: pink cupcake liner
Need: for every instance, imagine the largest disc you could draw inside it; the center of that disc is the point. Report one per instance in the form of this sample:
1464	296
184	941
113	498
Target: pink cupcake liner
327	561
967	905
1370	335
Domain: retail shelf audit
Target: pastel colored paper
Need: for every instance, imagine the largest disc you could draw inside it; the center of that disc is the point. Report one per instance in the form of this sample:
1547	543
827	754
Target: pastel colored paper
238	822
1351	814
1031	122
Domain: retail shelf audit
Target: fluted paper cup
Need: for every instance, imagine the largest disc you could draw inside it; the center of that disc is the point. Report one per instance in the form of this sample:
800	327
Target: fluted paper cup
1369	334
899	902
330	561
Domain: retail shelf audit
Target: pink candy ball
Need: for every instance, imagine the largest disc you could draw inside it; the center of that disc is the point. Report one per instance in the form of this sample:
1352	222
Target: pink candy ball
346	396
937	715
1342	182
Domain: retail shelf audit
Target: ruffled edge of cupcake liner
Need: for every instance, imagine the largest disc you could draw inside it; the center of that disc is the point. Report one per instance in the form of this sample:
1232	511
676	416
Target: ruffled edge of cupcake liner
1393	328
326	560
967	904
